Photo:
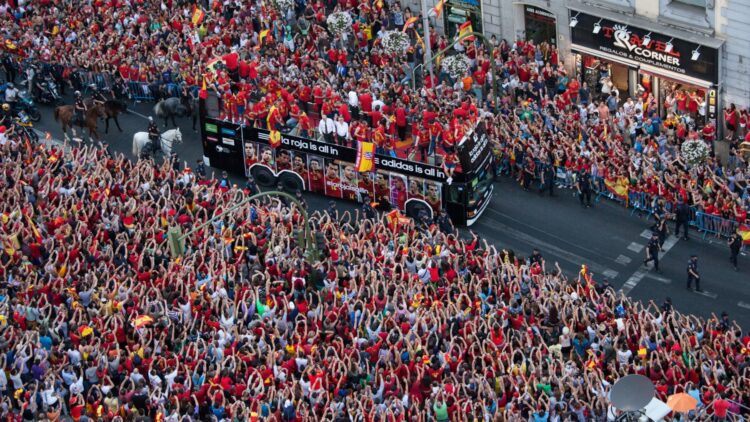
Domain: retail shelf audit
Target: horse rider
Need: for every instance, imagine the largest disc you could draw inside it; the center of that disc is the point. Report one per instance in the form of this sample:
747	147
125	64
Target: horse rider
153	133
97	95
79	108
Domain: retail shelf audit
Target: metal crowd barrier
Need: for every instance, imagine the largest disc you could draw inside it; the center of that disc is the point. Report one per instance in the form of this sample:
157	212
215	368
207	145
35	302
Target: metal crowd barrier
641	202
140	91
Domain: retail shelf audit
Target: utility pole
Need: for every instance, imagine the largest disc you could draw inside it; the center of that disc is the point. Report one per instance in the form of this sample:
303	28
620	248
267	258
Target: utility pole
427	46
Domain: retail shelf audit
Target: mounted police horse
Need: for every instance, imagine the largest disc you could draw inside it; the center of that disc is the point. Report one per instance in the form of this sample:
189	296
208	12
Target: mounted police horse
166	141
66	116
112	109
171	107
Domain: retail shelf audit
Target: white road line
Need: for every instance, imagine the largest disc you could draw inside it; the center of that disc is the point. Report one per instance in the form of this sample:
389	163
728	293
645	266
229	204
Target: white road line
633	281
641	273
707	294
137	114
646	234
623	260
543	246
635	247
610	274
744	305
659	278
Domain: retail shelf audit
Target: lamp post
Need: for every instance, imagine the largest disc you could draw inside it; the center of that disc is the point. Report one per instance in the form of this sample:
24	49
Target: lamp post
427	46
177	240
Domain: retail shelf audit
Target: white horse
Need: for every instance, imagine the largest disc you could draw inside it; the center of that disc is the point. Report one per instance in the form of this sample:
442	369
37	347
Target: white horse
166	141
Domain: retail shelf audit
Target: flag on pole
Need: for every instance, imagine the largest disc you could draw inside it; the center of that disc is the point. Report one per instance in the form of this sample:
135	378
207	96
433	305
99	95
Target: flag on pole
438	9
261	36
198	15
409	22
744	233
419	39
464	30
365	157
34	230
203	93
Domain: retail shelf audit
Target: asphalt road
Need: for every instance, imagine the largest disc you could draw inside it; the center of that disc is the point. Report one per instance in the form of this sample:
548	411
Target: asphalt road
606	237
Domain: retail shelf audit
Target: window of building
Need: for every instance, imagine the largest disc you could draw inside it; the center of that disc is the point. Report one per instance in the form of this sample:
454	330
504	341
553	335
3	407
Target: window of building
697	3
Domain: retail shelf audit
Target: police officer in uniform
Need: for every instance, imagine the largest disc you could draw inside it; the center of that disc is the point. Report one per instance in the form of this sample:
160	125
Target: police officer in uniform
660	227
652	251
444	223
548	179
79	109
682	218
692	274
367	210
583	185
153	134
735	244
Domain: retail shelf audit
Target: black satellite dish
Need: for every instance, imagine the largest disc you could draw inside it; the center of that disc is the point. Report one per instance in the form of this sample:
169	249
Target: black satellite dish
631	394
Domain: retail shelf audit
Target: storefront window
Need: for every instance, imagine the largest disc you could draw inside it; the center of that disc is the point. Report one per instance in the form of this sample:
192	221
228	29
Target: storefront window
540	25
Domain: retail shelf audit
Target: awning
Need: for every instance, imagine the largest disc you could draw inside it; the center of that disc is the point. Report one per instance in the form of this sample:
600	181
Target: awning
607	56
649	25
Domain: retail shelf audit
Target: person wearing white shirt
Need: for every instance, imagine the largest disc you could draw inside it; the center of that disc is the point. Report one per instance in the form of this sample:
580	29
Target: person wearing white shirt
327	128
353	101
342	131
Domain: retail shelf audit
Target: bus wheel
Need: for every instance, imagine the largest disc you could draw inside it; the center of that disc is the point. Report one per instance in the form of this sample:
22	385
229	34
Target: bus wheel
414	209
263	176
291	182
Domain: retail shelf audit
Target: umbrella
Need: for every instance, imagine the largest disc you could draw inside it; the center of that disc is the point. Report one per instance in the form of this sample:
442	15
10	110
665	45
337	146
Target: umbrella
682	402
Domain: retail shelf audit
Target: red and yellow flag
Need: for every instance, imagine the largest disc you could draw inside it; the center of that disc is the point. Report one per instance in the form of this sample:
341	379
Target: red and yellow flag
409	22
744	231
365	157
203	93
618	187
198	15
464	30
438	9
263	34
419	40
142	321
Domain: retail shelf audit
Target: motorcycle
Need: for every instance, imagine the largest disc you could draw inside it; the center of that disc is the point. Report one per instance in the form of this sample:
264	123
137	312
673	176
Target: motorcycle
26	104
25	127
48	93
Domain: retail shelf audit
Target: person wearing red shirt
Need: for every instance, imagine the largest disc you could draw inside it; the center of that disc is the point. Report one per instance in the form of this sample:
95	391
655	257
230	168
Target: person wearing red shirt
401	123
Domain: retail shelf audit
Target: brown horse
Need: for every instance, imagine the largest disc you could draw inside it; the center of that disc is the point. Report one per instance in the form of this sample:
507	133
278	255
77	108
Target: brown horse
112	109
64	115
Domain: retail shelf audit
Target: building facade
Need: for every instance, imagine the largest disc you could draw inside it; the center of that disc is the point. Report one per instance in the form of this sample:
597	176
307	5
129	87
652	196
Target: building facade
694	48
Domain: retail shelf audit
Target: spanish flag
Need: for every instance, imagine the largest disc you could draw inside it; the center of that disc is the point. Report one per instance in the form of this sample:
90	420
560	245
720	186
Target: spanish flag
409	22
198	15
420	41
438	9
203	93
744	232
85	331
262	35
365	157
618	187
10	45
142	321
464	30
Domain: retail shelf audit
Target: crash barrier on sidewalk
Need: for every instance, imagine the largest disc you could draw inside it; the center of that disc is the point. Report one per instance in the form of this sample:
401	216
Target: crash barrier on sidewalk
140	91
640	202
84	81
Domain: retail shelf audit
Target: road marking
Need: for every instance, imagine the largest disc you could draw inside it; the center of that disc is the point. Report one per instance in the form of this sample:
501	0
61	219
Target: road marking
707	294
543	246
633	281
641	273
659	278
635	247
646	234
137	114
623	260
610	274
744	305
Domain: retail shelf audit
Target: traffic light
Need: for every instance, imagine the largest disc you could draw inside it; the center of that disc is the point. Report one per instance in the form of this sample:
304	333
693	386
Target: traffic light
176	242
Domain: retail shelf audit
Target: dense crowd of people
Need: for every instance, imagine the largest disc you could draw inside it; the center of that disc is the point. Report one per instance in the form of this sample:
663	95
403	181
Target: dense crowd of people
286	64
391	321
100	321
